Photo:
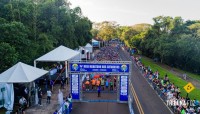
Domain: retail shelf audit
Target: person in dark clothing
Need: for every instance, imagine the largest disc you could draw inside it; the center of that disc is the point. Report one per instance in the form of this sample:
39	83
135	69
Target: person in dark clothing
40	96
51	84
99	91
61	84
56	112
67	80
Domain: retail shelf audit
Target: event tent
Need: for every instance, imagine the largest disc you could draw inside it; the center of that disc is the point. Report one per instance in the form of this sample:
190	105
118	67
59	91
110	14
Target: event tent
21	73
60	53
85	54
89	47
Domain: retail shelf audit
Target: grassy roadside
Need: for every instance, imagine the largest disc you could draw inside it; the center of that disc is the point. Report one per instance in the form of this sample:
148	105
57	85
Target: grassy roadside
193	76
195	94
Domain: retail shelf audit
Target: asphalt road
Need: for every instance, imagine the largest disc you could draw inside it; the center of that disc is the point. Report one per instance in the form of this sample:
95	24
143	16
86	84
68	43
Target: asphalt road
99	108
147	97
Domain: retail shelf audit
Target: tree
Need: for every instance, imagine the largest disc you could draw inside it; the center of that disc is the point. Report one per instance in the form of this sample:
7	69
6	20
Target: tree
8	56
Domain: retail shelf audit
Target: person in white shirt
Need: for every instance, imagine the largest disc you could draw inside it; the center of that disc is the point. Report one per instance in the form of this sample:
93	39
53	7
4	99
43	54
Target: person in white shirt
60	68
48	96
169	95
23	102
60	97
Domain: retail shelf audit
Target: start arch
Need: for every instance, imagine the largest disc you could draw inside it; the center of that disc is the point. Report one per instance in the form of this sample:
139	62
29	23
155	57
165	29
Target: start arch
102	71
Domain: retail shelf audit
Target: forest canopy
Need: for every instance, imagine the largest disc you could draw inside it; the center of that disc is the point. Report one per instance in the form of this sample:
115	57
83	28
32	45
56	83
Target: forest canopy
172	41
31	28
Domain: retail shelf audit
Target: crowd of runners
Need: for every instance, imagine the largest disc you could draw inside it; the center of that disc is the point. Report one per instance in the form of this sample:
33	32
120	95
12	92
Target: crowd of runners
168	91
99	81
107	53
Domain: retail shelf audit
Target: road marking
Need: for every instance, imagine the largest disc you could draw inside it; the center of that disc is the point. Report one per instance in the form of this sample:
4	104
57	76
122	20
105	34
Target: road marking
153	89
133	90
136	99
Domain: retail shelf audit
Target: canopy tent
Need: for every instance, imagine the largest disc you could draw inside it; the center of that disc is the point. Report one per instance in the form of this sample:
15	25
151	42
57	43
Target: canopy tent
21	73
93	40
88	47
95	43
60	53
85	54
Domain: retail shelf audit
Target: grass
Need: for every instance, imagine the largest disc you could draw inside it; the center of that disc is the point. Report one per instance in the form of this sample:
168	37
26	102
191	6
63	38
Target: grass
189	74
195	94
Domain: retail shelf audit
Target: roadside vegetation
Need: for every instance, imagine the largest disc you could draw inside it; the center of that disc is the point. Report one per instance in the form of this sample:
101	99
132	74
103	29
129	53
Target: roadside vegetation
31	28
170	40
195	94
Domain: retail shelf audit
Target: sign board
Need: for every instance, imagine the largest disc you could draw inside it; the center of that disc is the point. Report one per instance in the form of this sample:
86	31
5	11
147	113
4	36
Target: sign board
75	86
189	87
123	88
95	44
90	67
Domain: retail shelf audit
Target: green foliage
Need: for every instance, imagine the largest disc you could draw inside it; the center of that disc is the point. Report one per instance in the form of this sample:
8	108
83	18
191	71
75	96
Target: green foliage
33	27
174	42
173	79
105	30
8	57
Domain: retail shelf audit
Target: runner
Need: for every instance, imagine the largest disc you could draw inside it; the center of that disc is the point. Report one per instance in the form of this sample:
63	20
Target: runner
102	83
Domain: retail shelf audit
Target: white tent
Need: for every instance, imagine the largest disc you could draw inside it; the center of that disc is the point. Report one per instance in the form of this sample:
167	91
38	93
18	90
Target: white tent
85	55
93	40
89	47
60	53
21	73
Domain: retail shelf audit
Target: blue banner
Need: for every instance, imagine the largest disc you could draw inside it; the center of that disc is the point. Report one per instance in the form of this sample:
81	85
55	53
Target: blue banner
75	90
123	88
95	44
89	67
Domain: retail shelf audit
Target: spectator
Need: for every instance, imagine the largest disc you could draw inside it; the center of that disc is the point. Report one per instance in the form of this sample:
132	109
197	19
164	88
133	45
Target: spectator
56	112
184	76
40	96
26	96
49	96
46	83
22	102
70	102
51	84
60	97
63	80
61	84
66	104
67	80
60	68
168	90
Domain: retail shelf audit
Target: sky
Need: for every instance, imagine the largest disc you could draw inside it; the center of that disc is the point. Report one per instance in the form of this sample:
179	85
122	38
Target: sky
130	12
